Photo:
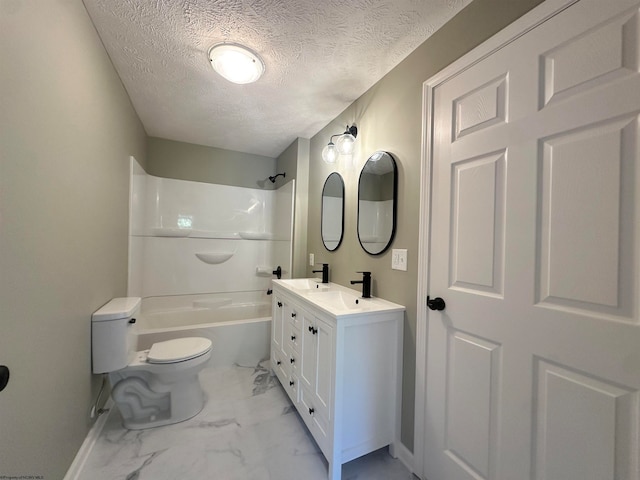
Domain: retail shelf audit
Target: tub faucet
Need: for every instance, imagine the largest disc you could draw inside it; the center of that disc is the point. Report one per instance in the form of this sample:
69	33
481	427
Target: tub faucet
278	272
325	272
366	284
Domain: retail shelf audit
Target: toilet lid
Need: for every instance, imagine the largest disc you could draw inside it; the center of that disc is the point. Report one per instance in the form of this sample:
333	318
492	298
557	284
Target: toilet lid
178	350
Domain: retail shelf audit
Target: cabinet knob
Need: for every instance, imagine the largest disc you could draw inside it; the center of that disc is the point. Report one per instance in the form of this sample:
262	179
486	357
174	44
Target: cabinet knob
279	304
292	360
293	315
278	362
313	330
311	410
291	383
293	337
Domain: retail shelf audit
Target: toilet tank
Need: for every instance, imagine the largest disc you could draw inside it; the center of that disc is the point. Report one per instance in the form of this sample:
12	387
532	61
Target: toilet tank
114	334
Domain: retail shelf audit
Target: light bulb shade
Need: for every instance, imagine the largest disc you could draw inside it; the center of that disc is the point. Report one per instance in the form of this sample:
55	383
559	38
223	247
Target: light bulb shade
236	63
345	144
330	153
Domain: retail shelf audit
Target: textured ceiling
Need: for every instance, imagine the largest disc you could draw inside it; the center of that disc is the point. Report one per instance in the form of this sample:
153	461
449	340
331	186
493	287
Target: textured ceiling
320	56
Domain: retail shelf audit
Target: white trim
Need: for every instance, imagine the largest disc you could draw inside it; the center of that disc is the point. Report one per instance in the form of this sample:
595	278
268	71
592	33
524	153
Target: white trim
89	442
404	455
509	34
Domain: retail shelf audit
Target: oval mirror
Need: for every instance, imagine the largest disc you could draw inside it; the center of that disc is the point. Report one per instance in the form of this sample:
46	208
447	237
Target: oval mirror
332	223
377	194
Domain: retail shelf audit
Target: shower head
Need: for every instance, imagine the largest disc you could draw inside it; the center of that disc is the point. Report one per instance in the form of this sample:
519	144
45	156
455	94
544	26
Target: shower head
273	177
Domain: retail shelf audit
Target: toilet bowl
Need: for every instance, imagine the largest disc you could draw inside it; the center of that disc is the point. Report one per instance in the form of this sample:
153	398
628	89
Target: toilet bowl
154	387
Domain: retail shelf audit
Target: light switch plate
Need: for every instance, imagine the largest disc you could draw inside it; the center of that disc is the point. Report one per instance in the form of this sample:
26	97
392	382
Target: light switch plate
312	259
399	259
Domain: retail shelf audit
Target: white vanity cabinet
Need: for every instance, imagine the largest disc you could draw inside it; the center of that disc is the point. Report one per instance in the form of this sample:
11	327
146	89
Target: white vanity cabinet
341	367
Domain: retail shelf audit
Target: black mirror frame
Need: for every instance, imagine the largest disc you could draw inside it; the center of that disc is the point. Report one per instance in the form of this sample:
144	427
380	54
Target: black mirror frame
322	212
395	203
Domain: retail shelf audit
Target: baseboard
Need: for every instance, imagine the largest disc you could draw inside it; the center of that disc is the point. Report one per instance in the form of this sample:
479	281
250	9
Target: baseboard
89	442
405	456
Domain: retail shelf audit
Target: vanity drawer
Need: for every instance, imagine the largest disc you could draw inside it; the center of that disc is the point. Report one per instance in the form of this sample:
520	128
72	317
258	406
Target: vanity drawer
292	388
294	362
295	316
293	340
279	365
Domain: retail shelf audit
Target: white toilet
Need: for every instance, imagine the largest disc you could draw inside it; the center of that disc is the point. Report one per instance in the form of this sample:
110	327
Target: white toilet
153	387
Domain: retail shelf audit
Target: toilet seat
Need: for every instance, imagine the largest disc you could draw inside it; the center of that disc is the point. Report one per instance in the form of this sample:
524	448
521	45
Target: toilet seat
178	350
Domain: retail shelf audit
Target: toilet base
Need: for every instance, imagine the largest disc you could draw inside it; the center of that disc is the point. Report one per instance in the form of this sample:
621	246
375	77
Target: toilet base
152	395
141	406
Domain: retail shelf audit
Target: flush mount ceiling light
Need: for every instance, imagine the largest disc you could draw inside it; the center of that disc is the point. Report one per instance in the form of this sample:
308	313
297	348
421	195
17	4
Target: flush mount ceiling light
236	63
343	146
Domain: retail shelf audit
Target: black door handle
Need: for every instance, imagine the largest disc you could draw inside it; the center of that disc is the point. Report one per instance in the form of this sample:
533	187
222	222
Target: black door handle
436	304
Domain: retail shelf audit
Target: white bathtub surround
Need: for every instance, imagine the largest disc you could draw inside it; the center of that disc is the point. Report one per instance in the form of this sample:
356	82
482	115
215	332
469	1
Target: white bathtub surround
247	430
191	237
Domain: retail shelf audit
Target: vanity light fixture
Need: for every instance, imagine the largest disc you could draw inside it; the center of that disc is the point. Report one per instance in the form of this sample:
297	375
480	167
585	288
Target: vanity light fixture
236	63
343	146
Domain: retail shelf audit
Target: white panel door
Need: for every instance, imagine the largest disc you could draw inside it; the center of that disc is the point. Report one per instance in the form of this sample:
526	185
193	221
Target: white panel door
533	367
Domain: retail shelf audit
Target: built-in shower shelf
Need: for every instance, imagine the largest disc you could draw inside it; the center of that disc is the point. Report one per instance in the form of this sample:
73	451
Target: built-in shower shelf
214	258
256	235
170	232
215	235
191	233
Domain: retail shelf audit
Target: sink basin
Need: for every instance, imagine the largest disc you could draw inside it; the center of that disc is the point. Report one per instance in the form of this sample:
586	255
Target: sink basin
333	298
340	300
305	284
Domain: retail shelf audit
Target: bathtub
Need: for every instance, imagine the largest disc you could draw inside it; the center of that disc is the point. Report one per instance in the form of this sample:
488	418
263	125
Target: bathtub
238	324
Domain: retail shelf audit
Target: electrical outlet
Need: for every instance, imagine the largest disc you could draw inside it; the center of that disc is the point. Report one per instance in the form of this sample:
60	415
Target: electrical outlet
312	259
399	259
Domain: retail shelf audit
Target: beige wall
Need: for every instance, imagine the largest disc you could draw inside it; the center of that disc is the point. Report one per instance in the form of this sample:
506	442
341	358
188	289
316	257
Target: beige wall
186	161
295	162
67	129
287	163
389	118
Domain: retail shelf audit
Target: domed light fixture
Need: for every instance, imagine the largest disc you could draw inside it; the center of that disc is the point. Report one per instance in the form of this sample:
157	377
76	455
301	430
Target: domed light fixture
236	63
343	146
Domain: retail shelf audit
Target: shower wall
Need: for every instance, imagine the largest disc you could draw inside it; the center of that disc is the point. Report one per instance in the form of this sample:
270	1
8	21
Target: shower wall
195	238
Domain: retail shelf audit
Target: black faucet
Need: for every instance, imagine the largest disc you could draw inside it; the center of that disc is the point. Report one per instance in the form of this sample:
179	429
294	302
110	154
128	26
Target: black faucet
366	284
278	272
325	272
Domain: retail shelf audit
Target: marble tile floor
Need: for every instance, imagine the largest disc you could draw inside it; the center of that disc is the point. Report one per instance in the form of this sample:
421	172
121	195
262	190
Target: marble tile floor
248	430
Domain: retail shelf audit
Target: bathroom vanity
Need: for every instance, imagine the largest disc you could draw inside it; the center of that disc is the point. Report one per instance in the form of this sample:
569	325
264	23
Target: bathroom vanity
339	357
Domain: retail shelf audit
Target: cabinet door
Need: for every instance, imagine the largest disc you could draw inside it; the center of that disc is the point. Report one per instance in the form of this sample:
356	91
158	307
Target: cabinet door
277	323
309	351
323	388
317	361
